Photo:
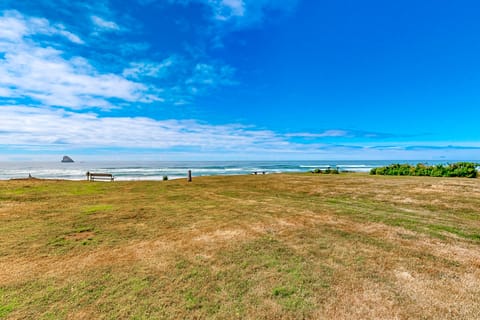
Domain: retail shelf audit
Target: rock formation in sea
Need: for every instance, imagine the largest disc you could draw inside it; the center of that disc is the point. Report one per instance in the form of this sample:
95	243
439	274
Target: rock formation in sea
67	159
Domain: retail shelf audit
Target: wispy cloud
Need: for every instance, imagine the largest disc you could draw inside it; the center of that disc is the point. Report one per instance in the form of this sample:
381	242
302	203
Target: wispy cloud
340	133
444	147
26	127
243	13
327	133
137	70
104	25
227	9
14	27
208	75
182	78
32	70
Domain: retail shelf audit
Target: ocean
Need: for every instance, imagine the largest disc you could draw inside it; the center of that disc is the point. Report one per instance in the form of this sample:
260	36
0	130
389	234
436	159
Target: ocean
156	170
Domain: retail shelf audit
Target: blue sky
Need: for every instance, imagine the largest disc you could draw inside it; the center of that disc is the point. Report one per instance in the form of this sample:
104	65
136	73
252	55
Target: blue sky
239	79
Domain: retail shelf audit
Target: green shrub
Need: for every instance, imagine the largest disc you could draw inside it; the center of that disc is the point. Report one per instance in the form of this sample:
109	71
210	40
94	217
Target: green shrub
459	169
326	171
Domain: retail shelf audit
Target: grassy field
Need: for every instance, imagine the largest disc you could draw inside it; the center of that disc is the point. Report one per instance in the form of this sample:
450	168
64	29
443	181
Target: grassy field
348	246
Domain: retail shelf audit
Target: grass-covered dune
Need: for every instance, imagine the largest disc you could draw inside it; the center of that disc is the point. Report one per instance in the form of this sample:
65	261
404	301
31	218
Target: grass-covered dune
348	246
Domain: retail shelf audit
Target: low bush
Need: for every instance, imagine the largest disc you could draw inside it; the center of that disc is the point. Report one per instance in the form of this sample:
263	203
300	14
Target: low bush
459	169
326	171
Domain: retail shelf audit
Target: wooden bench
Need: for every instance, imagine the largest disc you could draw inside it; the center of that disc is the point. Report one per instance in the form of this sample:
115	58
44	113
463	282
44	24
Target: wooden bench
91	176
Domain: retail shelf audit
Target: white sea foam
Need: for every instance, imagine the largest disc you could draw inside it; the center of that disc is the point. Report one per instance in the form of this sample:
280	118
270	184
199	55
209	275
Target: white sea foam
353	166
317	166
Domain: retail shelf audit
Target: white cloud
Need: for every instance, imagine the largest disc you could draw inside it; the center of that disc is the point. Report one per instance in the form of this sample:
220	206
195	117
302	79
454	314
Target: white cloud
337	133
137	70
104	25
226	9
327	133
243	12
4	92
210	75
24	127
60	29
183	78
30	70
14	27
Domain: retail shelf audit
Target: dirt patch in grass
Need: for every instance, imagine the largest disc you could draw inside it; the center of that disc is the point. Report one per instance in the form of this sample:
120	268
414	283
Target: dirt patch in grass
80	236
220	235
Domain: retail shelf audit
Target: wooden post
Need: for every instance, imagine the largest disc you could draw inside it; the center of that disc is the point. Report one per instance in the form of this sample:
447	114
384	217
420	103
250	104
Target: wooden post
189	175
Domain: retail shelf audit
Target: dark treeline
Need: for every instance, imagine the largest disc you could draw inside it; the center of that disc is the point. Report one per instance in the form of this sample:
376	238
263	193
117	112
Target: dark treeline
459	169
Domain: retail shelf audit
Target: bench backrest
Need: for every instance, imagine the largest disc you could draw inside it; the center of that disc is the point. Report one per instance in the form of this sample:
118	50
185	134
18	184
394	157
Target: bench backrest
101	174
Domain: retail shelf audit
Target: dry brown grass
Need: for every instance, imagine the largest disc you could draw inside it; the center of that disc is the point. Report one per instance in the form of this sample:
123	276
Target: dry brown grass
347	246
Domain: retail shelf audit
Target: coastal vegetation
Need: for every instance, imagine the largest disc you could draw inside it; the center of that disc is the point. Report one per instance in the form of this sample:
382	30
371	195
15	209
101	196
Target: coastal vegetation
283	246
326	171
459	169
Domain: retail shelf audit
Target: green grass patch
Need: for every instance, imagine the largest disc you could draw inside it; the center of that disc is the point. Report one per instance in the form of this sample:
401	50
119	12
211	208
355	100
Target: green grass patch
453	230
91	209
6	309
